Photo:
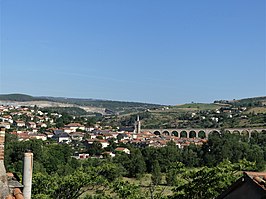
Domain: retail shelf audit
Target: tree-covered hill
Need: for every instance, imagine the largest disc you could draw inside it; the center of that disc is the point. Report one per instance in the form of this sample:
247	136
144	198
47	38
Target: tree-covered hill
16	97
75	111
249	102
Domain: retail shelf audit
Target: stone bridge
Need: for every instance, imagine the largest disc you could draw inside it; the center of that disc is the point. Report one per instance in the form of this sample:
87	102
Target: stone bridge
203	132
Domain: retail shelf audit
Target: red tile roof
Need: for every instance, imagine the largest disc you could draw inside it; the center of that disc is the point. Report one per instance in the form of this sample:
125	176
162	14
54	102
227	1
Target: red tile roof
120	149
17	194
74	125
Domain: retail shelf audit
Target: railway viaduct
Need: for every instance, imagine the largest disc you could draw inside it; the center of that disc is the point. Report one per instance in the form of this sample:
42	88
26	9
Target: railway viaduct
203	132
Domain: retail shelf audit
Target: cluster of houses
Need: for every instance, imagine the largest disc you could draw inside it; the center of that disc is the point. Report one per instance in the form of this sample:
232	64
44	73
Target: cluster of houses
41	125
218	114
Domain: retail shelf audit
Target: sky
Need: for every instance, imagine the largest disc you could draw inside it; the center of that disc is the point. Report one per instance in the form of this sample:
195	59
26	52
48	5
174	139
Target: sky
155	51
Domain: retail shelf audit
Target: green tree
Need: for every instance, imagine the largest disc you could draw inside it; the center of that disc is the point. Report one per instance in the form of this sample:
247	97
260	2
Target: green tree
207	183
110	171
137	165
173	170
95	148
190	157
125	190
69	186
156	175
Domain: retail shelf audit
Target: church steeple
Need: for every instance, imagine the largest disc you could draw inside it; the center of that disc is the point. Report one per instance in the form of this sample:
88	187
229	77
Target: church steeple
137	125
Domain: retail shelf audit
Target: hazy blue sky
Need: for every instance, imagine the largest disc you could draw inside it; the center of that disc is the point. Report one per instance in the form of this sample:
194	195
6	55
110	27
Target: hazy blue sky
165	51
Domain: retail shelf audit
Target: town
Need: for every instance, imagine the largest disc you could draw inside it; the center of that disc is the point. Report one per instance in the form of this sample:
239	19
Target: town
30	123
94	140
65	144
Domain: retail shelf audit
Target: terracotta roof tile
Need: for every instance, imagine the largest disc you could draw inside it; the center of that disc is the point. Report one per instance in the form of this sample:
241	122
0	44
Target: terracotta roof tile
10	174
17	194
120	148
74	124
10	197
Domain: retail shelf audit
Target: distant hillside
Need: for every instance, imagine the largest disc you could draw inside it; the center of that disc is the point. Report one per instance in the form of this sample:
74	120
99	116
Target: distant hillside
76	111
16	97
263	98
112	107
248	102
198	106
117	106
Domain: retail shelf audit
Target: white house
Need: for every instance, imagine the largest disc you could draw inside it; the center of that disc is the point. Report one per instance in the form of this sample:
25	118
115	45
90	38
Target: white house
75	126
39	136
20	123
122	149
31	125
89	128
35	130
104	143
83	156
43	125
62	137
68	130
5	124
77	136
49	134
108	153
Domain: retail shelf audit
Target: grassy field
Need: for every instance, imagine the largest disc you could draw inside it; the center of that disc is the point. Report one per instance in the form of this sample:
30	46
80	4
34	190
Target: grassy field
199	106
145	183
256	110
188	108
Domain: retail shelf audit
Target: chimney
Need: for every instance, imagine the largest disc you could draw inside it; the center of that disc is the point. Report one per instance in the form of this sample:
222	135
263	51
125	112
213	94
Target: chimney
3	178
27	175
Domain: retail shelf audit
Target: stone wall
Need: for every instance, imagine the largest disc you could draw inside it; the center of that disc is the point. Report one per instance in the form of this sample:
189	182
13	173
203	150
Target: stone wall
4	191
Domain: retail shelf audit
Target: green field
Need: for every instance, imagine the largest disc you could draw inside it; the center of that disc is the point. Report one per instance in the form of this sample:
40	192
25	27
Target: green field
145	183
199	106
256	110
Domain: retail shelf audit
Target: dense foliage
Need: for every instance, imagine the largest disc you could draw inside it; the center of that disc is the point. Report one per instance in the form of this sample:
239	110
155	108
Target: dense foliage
209	182
248	102
16	97
188	170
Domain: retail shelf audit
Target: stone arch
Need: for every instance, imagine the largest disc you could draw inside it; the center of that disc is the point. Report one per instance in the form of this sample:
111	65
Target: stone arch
166	133
245	133
157	133
226	131
192	134
183	134
236	132
254	133
202	134
214	132
175	133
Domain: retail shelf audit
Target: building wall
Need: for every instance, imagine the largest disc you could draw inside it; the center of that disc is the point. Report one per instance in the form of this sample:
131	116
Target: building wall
3	178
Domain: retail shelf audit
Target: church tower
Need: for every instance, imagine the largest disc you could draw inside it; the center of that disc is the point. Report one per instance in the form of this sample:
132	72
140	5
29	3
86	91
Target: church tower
137	125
